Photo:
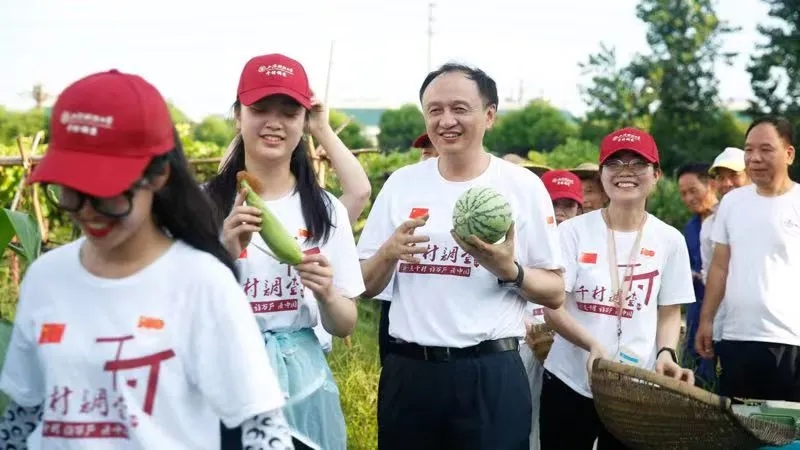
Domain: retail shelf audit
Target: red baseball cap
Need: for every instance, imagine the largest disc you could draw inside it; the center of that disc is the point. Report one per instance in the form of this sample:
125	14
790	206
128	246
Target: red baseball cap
422	141
632	139
563	184
104	130
272	74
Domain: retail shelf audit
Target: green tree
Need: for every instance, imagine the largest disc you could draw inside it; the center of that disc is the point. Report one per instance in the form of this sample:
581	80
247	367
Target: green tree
215	129
538	126
774	68
399	127
20	123
617	96
685	40
571	153
352	135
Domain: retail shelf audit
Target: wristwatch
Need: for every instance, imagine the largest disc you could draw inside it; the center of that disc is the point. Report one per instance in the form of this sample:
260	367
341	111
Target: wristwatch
515	283
671	354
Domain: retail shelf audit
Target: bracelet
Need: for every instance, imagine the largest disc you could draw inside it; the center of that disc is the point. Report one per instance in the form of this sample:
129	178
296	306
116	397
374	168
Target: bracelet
671	354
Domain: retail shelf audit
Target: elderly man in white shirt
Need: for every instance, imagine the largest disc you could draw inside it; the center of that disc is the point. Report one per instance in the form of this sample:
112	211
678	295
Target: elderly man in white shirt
756	237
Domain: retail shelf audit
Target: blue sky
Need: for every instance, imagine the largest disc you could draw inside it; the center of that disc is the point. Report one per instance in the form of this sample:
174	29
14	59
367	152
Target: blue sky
193	52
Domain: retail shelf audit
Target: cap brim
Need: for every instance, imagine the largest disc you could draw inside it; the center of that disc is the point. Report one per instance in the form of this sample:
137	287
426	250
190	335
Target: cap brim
560	195
252	96
536	168
94	174
422	141
627	149
733	167
585	173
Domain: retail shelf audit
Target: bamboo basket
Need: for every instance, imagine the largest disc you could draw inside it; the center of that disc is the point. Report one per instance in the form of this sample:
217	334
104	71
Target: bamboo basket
540	340
646	410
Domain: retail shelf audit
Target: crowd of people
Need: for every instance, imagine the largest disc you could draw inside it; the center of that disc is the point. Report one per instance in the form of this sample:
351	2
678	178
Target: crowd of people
170	324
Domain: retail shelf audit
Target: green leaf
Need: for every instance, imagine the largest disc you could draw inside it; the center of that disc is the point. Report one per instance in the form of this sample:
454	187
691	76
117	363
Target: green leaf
5	339
14	223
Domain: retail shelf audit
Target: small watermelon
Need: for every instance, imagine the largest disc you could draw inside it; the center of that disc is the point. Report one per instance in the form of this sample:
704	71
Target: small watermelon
483	212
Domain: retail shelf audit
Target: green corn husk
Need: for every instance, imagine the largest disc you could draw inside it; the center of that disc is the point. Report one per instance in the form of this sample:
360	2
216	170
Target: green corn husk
284	247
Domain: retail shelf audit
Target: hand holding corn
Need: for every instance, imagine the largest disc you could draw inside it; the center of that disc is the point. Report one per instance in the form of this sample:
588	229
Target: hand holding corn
240	225
283	246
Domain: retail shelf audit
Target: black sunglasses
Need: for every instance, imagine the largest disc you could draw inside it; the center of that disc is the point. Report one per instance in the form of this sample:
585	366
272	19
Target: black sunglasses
70	200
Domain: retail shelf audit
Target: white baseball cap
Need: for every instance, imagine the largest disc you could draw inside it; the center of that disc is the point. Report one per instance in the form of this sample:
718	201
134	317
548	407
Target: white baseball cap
731	158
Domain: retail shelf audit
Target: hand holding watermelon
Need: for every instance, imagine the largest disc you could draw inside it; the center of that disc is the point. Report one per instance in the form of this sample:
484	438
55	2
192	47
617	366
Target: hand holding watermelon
496	258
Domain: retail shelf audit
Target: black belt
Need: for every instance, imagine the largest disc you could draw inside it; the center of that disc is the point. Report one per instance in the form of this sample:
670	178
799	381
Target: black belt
440	354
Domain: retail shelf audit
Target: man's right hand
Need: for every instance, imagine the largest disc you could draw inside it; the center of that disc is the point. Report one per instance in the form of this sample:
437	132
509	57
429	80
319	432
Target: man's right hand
402	244
702	339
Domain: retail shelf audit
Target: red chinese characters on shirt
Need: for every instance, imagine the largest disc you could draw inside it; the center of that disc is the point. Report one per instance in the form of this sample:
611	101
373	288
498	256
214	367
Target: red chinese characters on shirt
275	294
109	406
442	260
597	299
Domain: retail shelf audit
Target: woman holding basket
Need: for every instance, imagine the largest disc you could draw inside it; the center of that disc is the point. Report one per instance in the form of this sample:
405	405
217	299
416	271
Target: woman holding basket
627	274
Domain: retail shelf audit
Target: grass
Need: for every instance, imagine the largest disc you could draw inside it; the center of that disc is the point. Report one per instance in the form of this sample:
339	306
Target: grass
356	370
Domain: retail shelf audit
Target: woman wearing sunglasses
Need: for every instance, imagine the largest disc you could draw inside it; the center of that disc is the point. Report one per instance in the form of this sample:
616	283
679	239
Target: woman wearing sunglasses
115	343
627	275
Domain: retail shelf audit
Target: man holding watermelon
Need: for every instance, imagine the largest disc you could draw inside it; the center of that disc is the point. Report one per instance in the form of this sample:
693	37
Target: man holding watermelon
454	377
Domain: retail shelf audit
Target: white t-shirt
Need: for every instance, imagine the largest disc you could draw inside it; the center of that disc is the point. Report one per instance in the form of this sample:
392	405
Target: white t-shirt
276	295
706	253
153	360
761	302
448	299
706	244
661	276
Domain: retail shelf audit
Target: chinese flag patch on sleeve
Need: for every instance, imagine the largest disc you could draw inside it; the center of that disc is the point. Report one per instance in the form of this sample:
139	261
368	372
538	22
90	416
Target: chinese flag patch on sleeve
416	213
588	258
52	333
152	323
648	252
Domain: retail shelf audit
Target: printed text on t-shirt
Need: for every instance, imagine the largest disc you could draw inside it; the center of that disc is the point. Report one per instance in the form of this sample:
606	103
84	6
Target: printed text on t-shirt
456	261
600	300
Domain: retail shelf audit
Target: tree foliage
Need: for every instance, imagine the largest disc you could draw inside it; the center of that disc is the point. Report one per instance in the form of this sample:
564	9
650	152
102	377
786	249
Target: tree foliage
399	127
538	126
774	68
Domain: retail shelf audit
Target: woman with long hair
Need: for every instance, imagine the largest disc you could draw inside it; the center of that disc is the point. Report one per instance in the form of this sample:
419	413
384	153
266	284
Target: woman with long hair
356	190
274	106
115	343
627	276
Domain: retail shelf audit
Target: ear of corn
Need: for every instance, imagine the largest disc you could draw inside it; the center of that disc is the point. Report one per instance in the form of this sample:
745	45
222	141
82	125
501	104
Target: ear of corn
284	247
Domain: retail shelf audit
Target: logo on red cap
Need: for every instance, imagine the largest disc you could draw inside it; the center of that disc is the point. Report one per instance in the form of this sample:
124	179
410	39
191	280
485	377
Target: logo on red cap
563	184
277	70
630	139
85	123
626	137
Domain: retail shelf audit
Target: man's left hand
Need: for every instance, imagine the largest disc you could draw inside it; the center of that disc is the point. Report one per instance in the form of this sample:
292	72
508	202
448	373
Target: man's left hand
496	258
